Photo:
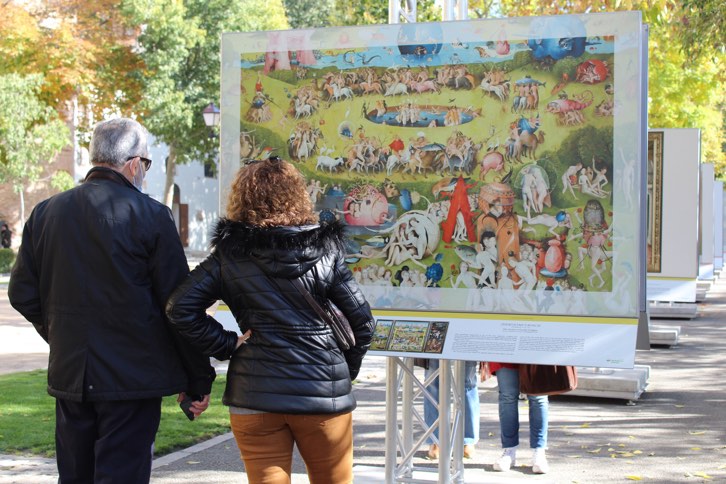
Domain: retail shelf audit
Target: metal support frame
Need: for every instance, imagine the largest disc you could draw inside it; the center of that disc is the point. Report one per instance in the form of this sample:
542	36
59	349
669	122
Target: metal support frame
456	10
398	12
452	10
400	441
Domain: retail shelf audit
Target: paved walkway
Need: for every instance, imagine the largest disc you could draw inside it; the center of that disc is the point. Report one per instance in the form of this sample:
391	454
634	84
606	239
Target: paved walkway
674	434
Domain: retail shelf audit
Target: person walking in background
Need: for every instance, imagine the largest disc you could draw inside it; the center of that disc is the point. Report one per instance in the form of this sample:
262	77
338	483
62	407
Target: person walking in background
508	382
93	273
6	237
290	383
471	411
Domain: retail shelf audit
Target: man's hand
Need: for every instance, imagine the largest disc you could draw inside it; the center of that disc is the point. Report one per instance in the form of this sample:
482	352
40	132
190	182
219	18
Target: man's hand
198	406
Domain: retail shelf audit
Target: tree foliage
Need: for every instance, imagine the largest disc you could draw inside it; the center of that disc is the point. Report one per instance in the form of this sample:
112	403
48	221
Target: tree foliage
179	44
82	49
303	14
366	12
702	32
31	133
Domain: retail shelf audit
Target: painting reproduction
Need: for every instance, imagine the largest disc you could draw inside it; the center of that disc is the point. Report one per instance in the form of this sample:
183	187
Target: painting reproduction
474	164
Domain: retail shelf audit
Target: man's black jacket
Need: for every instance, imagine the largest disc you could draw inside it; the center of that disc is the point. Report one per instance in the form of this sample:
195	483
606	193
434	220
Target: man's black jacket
95	268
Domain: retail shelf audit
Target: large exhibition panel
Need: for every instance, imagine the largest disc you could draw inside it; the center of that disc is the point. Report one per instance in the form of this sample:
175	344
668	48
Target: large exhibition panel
488	174
672	240
706	234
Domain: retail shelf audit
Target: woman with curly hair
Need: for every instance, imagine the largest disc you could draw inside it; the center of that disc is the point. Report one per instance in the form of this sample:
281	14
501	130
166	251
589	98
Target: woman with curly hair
288	382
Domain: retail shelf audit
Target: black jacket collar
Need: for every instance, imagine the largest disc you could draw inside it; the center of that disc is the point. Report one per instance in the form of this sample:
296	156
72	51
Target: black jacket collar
105	173
242	239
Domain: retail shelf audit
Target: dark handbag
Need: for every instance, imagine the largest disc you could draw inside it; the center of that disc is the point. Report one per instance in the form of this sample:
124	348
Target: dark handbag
547	379
332	316
421	363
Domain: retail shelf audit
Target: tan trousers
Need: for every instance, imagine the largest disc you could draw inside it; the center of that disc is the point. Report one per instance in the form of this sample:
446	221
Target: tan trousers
325	442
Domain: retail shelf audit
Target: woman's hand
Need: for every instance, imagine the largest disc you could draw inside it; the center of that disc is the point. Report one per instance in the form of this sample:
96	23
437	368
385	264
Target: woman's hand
243	339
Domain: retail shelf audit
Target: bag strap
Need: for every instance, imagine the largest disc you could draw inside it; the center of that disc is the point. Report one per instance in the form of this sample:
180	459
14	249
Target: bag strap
311	301
304	292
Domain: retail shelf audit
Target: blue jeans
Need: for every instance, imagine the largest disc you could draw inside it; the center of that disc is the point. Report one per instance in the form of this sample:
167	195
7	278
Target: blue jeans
508	381
471	402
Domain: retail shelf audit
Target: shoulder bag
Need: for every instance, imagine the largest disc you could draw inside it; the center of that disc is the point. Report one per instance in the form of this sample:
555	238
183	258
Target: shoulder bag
547	379
332	316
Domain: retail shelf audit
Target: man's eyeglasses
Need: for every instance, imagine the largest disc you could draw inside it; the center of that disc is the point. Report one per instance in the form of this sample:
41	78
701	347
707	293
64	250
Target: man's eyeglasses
145	161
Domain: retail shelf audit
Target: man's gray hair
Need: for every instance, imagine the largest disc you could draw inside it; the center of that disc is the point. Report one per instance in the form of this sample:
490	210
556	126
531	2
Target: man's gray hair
116	140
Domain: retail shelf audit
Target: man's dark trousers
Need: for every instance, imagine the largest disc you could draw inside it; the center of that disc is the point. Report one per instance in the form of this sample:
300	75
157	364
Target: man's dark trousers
106	442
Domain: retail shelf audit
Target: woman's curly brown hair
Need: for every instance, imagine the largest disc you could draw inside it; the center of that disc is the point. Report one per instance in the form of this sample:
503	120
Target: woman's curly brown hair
270	193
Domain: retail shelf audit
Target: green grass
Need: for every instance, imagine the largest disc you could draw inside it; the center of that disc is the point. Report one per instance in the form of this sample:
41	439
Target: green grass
27	418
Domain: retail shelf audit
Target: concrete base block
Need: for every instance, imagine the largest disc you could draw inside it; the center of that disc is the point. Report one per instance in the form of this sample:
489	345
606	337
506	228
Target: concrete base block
702	288
612	383
664	335
672	310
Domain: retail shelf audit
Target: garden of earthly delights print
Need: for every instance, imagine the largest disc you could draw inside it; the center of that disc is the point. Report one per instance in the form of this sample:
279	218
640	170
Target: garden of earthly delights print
480	165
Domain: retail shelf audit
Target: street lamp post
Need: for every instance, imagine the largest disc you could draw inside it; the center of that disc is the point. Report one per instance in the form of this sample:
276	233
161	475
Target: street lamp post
211	119
211	116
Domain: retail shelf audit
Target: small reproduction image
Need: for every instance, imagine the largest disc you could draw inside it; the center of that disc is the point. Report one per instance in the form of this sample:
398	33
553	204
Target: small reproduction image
436	337
381	334
408	336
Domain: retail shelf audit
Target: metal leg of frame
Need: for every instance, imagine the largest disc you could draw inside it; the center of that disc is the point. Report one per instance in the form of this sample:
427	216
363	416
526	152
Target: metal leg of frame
459	394
407	418
391	418
400	378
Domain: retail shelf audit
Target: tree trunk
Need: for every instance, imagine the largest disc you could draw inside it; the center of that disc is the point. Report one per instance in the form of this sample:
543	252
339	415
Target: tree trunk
22	208
170	172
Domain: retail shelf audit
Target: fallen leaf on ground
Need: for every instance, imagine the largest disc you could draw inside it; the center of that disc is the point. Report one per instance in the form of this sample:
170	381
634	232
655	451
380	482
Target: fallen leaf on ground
634	478
703	475
585	425
595	451
696	432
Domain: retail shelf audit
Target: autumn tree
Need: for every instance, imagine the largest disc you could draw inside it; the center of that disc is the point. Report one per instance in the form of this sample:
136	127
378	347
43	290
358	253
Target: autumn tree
82	49
179	44
31	133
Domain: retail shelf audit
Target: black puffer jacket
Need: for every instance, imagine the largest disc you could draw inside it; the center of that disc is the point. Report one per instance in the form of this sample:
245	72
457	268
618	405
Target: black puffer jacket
291	364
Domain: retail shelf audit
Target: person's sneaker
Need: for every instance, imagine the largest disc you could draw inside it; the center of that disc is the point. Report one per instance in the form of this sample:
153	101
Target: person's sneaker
507	460
539	462
433	453
469	451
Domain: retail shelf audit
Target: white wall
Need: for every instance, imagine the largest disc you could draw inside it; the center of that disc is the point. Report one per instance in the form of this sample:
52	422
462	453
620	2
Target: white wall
196	190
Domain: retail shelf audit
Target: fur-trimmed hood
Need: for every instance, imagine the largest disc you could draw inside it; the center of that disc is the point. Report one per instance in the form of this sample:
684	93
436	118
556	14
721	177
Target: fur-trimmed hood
280	251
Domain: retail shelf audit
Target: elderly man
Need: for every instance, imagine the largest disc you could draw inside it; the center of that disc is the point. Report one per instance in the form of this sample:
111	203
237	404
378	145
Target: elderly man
95	268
